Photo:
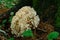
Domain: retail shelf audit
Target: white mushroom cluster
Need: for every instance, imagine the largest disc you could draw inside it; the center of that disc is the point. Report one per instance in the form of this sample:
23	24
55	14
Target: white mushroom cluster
25	18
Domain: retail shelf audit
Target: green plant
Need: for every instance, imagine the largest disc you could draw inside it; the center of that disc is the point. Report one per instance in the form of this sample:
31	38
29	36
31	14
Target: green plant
27	33
4	21
8	3
36	6
11	16
12	38
52	35
57	16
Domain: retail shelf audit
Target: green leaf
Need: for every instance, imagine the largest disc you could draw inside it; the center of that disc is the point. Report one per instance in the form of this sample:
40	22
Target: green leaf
10	18
57	16
50	39
12	13
0	25
27	33
53	35
8	3
11	38
0	1
4	21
